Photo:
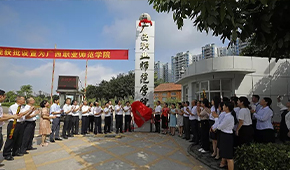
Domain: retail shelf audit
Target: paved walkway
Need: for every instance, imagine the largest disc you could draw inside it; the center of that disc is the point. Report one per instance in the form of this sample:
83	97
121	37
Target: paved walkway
134	150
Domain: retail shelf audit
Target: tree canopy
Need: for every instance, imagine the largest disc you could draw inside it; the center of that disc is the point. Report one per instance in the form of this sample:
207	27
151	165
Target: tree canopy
121	86
264	23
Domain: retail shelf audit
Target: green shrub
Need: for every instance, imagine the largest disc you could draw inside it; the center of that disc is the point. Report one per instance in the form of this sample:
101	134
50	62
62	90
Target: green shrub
7	104
263	157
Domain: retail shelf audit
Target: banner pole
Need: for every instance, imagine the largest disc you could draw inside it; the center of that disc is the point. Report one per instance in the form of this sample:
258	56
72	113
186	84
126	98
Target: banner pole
86	78
52	79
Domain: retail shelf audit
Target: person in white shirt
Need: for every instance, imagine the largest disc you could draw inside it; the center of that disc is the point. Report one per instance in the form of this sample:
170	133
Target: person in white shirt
157	113
4	117
56	111
285	120
111	107
186	124
97	118
119	117
14	140
193	122
85	118
128	118
264	127
91	117
75	118
67	109
244	131
254	108
29	127
226	146
108	114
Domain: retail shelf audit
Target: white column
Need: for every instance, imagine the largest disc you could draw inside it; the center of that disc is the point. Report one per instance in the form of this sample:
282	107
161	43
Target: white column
144	52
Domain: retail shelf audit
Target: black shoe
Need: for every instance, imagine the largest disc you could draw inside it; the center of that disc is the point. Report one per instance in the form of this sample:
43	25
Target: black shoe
30	149
9	158
1	165
194	143
18	154
64	137
100	132
58	139
52	141
25	152
184	138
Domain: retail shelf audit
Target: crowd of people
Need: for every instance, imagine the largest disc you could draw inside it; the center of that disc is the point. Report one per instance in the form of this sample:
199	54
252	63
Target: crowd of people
227	122
23	114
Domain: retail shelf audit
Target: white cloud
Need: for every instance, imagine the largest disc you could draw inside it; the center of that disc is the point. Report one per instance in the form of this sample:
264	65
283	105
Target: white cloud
167	35
40	77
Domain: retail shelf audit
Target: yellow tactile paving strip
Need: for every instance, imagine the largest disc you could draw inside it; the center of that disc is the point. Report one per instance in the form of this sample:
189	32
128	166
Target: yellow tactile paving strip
134	137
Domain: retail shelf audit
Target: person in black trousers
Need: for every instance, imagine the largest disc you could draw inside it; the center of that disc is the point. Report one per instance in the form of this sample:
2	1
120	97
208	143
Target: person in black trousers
29	128
186	124
204	117
97	118
75	118
128	118
85	118
13	143
108	113
4	117
157	113
91	117
119	117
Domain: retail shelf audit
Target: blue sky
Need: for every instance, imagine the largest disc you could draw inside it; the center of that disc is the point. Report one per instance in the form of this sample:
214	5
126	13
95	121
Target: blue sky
72	24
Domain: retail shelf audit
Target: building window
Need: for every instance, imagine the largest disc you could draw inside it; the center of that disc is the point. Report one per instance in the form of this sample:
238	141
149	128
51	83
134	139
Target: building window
173	98
156	94
164	94
173	93
222	88
164	99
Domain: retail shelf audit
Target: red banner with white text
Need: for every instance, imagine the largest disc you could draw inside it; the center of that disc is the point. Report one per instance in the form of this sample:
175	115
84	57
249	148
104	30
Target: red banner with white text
64	53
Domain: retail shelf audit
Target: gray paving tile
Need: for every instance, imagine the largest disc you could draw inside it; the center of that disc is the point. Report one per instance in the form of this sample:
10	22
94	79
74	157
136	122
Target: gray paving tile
121	150
70	164
83	149
116	165
141	158
96	157
159	150
46	157
74	142
181	157
166	164
18	163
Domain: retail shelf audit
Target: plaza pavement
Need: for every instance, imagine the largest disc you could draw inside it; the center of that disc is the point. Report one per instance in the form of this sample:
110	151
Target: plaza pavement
135	150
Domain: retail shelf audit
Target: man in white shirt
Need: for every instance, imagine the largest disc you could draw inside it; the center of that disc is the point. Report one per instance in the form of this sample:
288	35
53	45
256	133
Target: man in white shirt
255	107
157	112
119	117
186	124
67	110
91	117
111	107
97	118
14	140
55	111
108	114
128	118
29	127
4	117
193	122
75	118
85	119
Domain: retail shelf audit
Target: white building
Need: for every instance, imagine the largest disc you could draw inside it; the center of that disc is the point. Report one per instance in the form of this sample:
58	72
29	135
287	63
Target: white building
178	62
209	51
157	69
237	75
196	58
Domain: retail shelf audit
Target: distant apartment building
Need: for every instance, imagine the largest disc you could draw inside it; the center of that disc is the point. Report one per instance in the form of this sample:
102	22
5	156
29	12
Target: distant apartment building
157	69
209	51
163	71
179	62
196	58
232	50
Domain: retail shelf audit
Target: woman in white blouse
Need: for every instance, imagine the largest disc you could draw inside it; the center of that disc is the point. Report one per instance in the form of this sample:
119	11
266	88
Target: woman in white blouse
226	145
245	131
265	130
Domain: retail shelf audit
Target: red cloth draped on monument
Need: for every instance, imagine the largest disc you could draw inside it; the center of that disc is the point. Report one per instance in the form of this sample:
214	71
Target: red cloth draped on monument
141	113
